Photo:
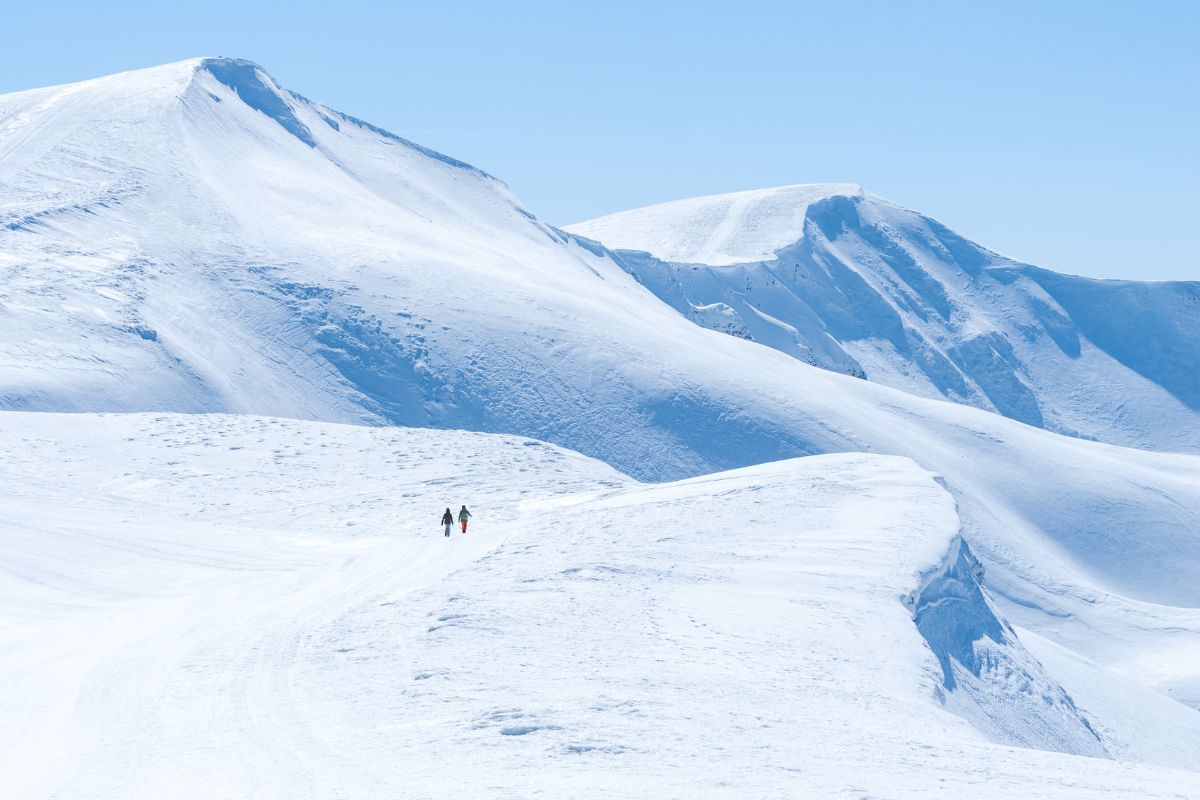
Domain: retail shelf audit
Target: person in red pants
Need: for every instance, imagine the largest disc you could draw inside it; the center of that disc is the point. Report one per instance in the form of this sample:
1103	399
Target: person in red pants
463	516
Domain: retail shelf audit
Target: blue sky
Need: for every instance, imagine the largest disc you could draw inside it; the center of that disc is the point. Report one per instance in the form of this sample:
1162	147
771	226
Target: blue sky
1064	134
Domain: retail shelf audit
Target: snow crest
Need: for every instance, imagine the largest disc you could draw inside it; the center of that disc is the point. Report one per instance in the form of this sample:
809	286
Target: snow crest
718	229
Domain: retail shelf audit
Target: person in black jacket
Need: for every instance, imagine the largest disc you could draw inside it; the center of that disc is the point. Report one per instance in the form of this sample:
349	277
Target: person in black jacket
448	521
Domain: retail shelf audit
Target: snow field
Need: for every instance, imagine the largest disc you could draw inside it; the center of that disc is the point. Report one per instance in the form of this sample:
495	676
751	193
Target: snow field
202	606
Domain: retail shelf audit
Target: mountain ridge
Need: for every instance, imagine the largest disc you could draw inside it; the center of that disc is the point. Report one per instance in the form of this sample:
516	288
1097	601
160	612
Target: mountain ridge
866	287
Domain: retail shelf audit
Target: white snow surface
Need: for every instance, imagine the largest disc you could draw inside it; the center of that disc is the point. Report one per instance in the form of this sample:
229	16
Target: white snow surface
720	229
194	238
235	606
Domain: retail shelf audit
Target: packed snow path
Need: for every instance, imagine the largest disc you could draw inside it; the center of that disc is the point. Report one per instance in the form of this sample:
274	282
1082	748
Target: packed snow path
233	606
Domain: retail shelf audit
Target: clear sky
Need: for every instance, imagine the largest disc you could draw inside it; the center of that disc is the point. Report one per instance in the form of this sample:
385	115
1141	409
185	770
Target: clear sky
1065	134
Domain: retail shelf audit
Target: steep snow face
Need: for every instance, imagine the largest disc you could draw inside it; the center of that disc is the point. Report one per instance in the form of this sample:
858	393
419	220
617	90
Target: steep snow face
858	285
988	677
172	240
256	606
259	91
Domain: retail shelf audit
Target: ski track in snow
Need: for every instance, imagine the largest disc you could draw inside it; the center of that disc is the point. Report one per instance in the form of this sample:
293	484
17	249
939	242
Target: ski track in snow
204	606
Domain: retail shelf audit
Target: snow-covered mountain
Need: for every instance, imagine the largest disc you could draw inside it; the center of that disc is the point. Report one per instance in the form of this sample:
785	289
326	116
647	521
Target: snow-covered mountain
845	280
196	238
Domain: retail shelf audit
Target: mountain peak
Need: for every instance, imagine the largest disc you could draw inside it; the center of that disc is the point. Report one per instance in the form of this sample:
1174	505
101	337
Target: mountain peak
719	229
260	91
116	96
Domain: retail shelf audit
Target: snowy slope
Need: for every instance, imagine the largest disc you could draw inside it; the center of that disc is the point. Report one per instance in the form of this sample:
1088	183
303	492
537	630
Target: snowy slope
196	238
200	606
845	280
738	228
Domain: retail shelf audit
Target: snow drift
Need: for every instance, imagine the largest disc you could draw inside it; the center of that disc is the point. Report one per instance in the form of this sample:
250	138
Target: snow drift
988	677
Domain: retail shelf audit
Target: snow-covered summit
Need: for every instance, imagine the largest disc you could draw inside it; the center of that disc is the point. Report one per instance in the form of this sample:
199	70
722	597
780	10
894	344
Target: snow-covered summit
851	282
147	94
718	229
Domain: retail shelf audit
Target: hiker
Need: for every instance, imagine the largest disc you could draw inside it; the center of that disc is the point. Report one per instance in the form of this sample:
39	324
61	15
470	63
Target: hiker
463	516
448	521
